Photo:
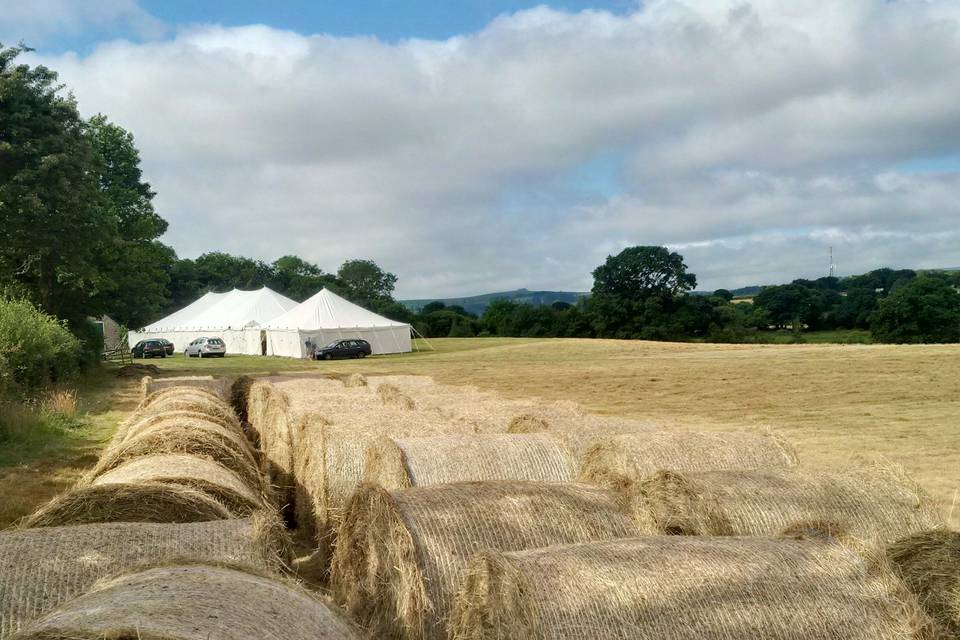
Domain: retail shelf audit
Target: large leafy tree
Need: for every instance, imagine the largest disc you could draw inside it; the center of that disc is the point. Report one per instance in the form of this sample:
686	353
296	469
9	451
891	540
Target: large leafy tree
52	218
636	291
298	279
924	309
135	265
366	283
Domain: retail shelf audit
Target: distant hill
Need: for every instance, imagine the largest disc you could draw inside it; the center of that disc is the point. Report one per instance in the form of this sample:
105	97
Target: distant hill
737	293
477	304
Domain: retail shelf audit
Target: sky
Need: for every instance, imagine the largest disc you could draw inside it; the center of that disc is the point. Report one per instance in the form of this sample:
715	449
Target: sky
474	146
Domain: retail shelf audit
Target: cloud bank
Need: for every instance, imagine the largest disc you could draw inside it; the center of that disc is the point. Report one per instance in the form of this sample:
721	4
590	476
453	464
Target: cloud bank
749	135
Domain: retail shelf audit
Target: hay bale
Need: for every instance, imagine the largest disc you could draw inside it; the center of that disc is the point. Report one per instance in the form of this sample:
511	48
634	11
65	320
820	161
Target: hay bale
199	473
391	395
270	417
190	399
527	423
171	433
220	387
401	554
140	421
632	457
683	589
42	568
865	509
142	502
929	564
355	380
396	463
193	602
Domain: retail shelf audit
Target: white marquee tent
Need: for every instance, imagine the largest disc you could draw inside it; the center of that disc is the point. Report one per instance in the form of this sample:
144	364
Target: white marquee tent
236	317
326	317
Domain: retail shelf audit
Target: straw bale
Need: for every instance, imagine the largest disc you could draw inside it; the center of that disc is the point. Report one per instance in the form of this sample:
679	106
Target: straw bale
401	554
355	380
682	588
391	395
181	399
220	387
396	463
270	417
527	423
140	421
635	456
865	508
200	473
187	435
330	458
143	502
193	602
929	564
42	568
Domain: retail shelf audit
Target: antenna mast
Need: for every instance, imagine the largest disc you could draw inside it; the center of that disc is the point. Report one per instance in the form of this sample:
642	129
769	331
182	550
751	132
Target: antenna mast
833	267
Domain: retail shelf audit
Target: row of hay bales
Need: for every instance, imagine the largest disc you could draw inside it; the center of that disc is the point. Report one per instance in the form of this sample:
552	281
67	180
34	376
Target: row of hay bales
474	520
170	536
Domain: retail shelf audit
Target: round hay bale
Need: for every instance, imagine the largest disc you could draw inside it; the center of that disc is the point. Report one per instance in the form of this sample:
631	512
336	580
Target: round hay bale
634	456
189	436
269	416
142	502
43	568
219	387
401	554
683	589
865	509
141	421
174	395
204	475
391	395
396	463
193	602
355	380
929	564
526	423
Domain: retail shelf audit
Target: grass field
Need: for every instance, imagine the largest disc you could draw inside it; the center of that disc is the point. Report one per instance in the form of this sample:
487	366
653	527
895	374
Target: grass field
838	403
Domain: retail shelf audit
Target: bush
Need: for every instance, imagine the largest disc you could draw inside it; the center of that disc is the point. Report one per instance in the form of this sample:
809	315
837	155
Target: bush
35	349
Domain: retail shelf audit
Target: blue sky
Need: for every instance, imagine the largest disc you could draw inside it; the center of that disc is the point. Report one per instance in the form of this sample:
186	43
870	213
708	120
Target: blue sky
479	146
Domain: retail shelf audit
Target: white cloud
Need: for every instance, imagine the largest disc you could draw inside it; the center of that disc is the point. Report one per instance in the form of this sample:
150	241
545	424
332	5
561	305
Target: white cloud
751	133
36	22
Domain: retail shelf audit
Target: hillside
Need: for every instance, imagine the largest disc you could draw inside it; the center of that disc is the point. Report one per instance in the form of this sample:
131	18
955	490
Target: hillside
477	304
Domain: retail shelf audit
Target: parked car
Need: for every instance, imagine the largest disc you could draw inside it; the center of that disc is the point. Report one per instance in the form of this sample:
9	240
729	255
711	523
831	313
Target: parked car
167	346
148	349
343	349
206	348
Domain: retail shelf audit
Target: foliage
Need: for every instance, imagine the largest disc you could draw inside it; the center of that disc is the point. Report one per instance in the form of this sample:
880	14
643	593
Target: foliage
365	282
51	214
641	272
35	349
924	309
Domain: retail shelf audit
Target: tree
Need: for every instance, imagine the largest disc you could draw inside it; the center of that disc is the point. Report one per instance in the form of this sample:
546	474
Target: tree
365	283
430	307
134	265
296	278
640	272
52	221
635	292
925	309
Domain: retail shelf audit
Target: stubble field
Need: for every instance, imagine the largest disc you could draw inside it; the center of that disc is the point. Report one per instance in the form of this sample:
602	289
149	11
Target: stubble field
838	404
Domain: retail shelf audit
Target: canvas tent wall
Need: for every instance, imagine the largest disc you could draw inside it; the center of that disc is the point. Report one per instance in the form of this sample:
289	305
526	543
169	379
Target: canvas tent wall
326	317
235	316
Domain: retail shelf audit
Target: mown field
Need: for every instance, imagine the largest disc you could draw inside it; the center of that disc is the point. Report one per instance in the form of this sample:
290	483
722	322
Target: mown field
838	403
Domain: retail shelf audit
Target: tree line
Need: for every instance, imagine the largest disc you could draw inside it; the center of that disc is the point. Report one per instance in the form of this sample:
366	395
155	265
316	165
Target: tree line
646	293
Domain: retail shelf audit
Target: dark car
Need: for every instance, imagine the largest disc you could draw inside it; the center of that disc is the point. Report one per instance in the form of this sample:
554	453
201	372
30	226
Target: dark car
167	345
343	349
149	349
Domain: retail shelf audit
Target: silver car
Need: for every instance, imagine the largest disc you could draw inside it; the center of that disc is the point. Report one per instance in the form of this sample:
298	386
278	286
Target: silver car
206	348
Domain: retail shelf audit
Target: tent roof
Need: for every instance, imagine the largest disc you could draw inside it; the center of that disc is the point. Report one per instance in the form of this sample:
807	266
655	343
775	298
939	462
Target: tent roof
327	310
232	310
